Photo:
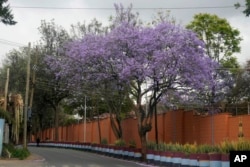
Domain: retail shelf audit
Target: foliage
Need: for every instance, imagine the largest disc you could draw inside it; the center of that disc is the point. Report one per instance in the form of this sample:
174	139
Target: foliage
221	43
6	115
247	9
6	17
16	61
162	147
241	145
164	56
120	142
175	147
21	153
190	148
221	40
239	95
10	151
104	141
68	121
53	89
132	143
151	145
224	147
79	30
205	148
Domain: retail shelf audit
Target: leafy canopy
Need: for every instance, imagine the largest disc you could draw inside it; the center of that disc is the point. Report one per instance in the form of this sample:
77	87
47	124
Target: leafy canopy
6	16
136	55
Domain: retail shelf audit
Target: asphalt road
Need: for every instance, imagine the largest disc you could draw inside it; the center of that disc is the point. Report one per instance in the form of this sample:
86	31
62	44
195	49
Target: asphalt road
54	157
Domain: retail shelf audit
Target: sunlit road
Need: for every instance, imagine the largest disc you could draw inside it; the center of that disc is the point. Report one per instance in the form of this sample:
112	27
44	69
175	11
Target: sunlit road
54	157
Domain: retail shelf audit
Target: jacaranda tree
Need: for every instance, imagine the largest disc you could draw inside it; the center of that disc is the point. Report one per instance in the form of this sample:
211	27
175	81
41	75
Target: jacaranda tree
165	57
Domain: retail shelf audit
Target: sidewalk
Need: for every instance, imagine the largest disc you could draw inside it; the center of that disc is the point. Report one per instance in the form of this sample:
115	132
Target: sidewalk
32	161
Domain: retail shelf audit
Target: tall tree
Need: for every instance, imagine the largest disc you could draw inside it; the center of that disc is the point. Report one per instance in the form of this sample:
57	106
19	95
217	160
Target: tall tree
112	90
222	40
16	61
6	17
221	43
165	57
53	37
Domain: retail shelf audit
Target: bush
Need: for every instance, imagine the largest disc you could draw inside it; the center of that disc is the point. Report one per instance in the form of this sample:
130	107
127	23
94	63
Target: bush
152	145
21	153
132	144
190	148
104	141
205	148
227	146
120	142
10	151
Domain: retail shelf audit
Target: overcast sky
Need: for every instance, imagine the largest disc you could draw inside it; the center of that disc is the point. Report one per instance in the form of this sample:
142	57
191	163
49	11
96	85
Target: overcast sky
29	19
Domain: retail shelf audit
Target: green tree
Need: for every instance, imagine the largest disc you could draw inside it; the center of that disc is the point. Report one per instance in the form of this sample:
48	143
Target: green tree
247	9
6	17
221	40
240	91
16	61
52	89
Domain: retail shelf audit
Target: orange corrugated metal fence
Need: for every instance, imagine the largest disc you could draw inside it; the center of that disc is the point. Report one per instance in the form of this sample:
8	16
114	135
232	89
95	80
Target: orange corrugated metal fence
173	126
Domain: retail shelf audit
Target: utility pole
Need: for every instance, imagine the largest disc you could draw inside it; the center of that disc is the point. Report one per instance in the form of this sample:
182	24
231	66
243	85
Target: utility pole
33	81
6	90
32	93
26	101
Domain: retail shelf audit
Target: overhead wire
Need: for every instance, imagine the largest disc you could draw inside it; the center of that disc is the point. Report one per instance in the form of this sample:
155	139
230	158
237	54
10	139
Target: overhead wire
6	42
11	43
109	8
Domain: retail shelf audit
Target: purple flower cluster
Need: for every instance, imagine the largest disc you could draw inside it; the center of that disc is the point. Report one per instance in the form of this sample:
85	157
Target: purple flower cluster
138	55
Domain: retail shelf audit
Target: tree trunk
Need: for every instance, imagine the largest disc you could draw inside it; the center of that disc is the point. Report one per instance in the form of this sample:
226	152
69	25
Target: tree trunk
99	129
57	110
144	126
116	127
143	146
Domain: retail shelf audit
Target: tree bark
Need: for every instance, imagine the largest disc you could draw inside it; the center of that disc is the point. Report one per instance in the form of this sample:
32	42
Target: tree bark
57	110
143	146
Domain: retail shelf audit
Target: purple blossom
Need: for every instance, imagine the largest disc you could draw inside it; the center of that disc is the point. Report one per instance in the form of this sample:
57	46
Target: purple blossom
167	53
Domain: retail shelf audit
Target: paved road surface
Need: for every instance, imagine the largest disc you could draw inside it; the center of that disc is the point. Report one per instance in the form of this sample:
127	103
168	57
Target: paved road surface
54	157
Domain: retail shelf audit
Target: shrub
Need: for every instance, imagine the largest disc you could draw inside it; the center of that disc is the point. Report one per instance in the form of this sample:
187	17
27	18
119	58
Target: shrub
151	145
227	146
190	148
120	142
205	148
162	147
10	151
132	144
243	145
104	141
177	147
21	153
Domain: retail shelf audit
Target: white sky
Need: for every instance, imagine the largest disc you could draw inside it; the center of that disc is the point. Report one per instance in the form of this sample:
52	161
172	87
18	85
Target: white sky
29	19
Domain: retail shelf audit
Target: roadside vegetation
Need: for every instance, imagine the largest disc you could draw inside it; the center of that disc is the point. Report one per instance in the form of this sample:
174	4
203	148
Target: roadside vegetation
11	151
